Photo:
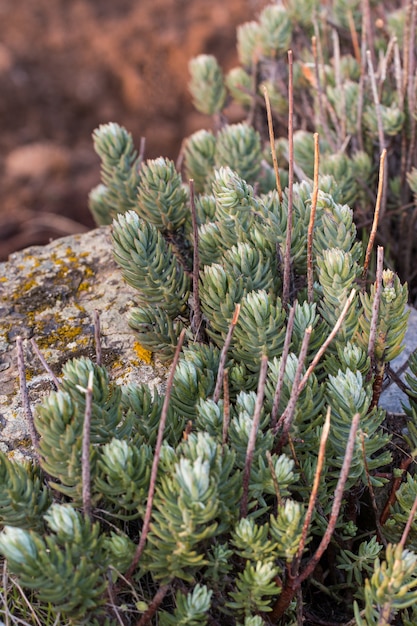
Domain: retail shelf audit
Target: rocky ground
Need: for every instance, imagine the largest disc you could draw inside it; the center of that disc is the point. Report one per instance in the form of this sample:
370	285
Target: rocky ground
66	67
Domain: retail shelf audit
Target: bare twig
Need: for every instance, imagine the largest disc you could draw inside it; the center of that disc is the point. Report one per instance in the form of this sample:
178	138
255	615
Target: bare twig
274	477
142	148
338	496
85	451
223	354
155	463
371	73
361	84
375	307
314	197
154	605
381	537
366	9
252	435
198	317
376	215
287	417
284	357
314	491
44	363
315	43
339	86
354	37
293	583
226	407
272	142
287	253
395	485
410	521
25	395
328	341
97	336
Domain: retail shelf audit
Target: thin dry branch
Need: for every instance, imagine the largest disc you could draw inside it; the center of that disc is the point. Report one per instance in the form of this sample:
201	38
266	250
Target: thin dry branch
223	354
44	362
287	253
338	497
371	73
284	357
293	583
25	395
313	209
97	336
328	341
85	450
152	483
198	316
252	436
410	521
272	143
375	306
226	407
381	537
154	605
377	213
287	417
314	492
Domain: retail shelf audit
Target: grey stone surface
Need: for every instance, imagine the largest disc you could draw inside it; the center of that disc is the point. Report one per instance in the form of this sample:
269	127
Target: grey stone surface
50	293
392	398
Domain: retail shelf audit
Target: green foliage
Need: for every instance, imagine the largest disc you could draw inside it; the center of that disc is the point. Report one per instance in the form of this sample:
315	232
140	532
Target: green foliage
233	528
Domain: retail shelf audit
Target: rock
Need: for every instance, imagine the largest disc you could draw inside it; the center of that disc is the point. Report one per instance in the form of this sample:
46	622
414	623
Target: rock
50	294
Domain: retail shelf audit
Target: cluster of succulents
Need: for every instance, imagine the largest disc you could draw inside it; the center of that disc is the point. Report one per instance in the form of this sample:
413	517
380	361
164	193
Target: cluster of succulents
263	486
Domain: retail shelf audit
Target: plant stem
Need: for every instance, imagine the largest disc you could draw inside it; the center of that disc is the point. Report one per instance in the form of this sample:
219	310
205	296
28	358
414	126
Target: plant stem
25	396
284	357
223	354
314	491
272	143
226	407
154	605
97	336
85	451
288	415
155	463
410	521
252	436
376	215
375	307
380	535
314	197
198	317
338	496
293	583
287	253
44	363
328	341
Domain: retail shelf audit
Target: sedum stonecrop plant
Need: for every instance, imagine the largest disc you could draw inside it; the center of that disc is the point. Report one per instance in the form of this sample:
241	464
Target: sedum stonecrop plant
257	491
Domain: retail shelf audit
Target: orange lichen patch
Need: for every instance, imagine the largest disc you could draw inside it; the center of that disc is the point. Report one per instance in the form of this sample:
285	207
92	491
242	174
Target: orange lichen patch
61	336
141	352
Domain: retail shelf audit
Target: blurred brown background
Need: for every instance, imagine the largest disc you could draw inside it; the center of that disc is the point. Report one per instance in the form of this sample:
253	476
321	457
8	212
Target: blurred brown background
68	66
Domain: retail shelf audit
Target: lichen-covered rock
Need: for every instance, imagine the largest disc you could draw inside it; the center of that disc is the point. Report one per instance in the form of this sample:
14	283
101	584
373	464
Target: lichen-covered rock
50	294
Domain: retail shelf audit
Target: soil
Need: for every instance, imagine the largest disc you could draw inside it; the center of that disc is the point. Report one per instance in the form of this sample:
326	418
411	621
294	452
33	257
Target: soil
66	67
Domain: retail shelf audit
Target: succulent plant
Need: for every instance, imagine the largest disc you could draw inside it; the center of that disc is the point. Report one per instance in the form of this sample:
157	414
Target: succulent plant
251	492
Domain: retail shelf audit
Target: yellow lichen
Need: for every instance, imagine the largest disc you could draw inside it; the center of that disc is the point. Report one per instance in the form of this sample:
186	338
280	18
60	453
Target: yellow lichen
141	352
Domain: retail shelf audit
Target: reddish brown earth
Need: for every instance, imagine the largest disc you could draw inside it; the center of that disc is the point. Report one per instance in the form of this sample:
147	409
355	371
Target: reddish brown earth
66	67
